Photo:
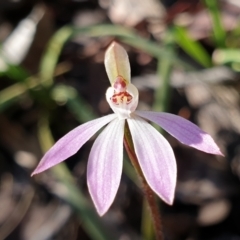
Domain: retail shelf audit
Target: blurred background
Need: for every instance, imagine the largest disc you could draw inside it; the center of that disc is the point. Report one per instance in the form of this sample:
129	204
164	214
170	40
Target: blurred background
185	59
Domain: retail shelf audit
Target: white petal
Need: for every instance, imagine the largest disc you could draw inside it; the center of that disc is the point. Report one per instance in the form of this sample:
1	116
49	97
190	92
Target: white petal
117	63
123	110
105	166
155	157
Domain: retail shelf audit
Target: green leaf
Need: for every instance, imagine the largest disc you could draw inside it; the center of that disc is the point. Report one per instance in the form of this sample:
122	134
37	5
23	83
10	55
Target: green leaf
219	33
52	53
191	47
131	38
16	73
225	56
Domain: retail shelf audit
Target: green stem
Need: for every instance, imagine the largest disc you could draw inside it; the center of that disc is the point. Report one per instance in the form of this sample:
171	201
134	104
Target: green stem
150	196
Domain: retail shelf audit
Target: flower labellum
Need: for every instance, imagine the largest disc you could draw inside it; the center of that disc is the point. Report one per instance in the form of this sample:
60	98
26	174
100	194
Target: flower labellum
154	153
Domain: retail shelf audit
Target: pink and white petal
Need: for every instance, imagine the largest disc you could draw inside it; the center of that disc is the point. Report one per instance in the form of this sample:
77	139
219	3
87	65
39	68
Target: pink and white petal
183	130
105	166
71	143
155	157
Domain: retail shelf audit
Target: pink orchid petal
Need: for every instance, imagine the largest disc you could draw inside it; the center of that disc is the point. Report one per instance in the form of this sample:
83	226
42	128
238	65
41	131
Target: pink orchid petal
183	130
71	143
155	157
105	166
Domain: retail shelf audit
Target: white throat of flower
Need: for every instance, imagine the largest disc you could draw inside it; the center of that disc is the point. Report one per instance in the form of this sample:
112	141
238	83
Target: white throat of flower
122	97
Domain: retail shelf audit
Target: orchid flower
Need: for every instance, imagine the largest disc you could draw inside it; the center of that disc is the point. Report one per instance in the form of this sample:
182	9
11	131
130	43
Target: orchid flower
154	153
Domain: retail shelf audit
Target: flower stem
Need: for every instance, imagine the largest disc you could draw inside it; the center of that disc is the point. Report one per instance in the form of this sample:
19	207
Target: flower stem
150	196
